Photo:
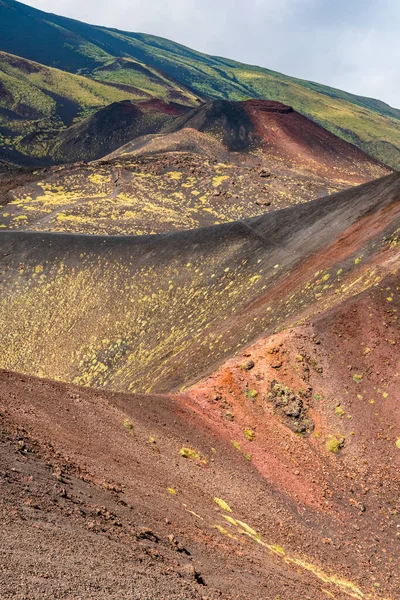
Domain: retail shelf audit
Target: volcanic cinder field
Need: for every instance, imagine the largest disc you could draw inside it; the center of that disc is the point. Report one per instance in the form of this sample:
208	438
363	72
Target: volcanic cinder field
199	326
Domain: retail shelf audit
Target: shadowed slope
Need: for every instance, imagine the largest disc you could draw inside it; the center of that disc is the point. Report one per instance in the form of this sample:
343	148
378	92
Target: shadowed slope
96	51
282	134
152	313
110	128
38	102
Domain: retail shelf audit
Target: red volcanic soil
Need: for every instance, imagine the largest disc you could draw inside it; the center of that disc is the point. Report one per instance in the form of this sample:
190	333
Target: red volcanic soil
97	501
98	478
85	476
282	134
276	476
168	108
291	136
340	379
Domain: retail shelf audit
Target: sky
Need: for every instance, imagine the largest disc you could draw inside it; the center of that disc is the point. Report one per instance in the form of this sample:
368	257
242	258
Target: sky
348	44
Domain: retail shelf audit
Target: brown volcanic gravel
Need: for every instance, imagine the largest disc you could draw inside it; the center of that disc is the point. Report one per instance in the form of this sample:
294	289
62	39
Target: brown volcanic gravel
96	501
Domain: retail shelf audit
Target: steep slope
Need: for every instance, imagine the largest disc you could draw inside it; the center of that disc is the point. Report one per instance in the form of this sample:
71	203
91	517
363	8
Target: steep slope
154	312
276	477
185	140
282	134
127	73
37	102
111	127
77	47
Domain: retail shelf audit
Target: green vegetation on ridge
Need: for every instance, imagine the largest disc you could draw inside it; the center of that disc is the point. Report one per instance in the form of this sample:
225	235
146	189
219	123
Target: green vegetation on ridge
38	102
90	50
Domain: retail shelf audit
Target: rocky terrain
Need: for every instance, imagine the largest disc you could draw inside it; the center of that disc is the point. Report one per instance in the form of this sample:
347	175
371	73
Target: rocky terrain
222	162
199	304
275	476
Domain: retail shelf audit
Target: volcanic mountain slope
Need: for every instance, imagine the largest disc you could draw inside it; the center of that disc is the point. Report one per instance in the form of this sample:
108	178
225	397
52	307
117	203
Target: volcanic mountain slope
152	313
283	135
38	102
184	179
96	52
184	140
111	127
276	477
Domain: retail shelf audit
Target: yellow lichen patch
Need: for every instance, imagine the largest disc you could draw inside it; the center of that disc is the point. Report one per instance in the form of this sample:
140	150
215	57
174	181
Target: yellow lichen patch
191	454
247	529
278	550
357	377
175	175
223	531
218	180
230	520
171	491
222	504
99	179
191	512
342	585
254	279
334	443
249	434
347	587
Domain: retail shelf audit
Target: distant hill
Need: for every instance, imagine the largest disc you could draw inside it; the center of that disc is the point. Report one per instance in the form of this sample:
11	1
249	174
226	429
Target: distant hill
163	69
221	162
37	102
282	134
112	127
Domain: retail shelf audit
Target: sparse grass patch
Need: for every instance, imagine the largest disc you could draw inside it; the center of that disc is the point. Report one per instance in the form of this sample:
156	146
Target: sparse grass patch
230	520
278	549
128	426
222	504
217	181
249	434
334	444
189	453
